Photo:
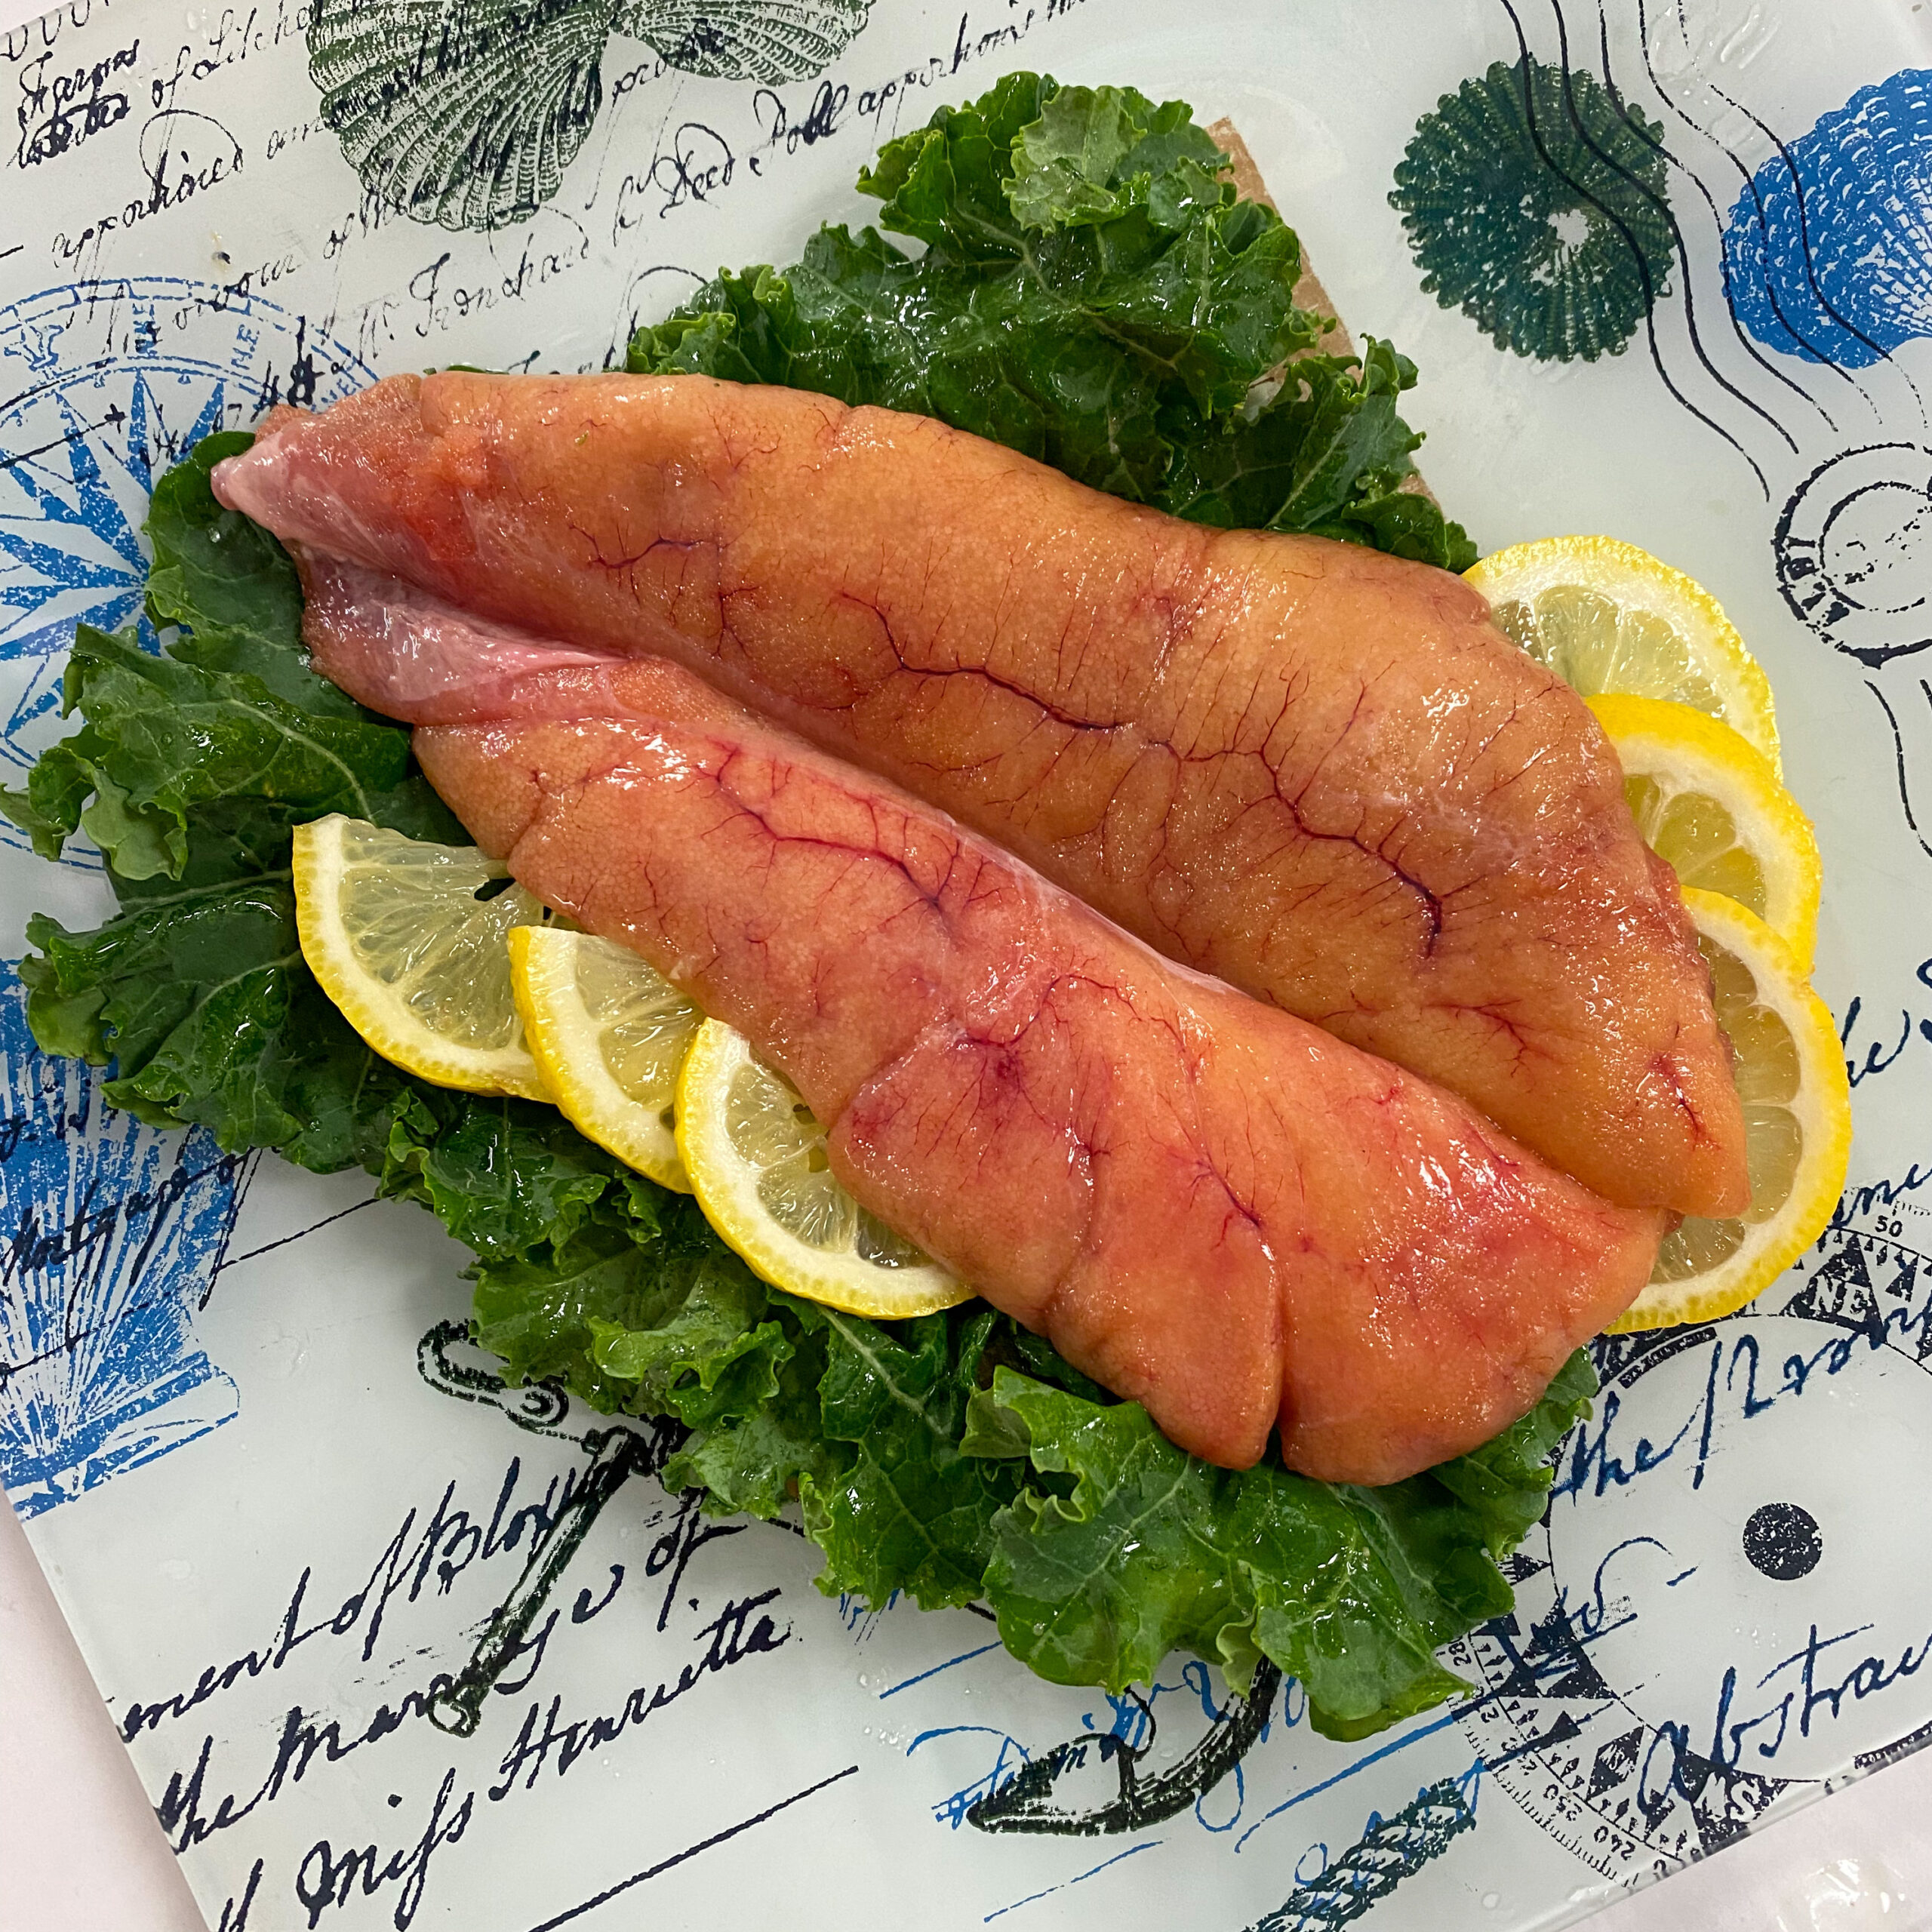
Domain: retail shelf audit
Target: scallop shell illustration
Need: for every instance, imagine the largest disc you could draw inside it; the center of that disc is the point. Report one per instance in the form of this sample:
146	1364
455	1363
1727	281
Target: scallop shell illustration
770	40
113	1233
1828	254
1534	201
466	112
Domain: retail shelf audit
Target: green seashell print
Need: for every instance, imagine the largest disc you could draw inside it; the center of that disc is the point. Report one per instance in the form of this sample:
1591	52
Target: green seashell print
1534	205
771	41
466	112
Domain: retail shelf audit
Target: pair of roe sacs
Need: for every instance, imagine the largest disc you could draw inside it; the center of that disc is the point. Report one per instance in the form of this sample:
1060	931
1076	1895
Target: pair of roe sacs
950	782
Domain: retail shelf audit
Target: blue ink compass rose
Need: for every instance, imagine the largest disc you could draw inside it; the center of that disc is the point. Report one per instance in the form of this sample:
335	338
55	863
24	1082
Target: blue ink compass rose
104	384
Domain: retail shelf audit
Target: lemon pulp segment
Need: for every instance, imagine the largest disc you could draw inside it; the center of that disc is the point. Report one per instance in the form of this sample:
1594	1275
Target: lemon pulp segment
758	1163
1791	1078
1706	801
407	938
1609	618
609	1034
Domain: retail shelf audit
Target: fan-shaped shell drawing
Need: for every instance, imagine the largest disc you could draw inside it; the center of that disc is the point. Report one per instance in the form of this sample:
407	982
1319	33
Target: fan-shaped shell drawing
746	40
466	112
1534	202
1828	252
114	1231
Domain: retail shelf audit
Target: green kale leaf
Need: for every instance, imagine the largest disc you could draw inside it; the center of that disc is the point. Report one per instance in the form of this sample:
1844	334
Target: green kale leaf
1091	292
1350	1590
229	586
190	771
906	1507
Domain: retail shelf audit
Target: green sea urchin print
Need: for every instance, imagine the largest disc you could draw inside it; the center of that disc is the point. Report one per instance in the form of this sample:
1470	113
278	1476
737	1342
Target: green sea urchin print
466	112
1535	206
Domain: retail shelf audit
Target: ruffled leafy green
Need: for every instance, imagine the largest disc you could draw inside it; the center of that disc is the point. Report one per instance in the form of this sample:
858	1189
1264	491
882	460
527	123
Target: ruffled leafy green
1086	289
954	1458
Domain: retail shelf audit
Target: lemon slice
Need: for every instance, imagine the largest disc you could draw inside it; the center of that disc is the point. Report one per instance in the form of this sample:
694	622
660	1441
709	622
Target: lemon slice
757	1162
1607	617
608	1032
395	932
1791	1077
1704	800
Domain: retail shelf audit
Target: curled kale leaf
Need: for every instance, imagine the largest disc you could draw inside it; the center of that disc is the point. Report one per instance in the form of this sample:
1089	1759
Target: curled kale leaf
1087	288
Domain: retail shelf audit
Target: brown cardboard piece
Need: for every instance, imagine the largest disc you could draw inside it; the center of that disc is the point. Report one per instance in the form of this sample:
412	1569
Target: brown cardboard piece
1309	292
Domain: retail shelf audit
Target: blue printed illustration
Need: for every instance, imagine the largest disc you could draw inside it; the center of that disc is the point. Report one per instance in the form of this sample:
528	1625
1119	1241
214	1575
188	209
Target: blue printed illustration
1828	251
1828	260
1704	1622
1390	1851
115	1232
103	385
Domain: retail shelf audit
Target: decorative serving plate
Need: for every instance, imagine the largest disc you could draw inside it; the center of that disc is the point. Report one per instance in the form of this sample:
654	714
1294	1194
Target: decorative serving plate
280	1495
